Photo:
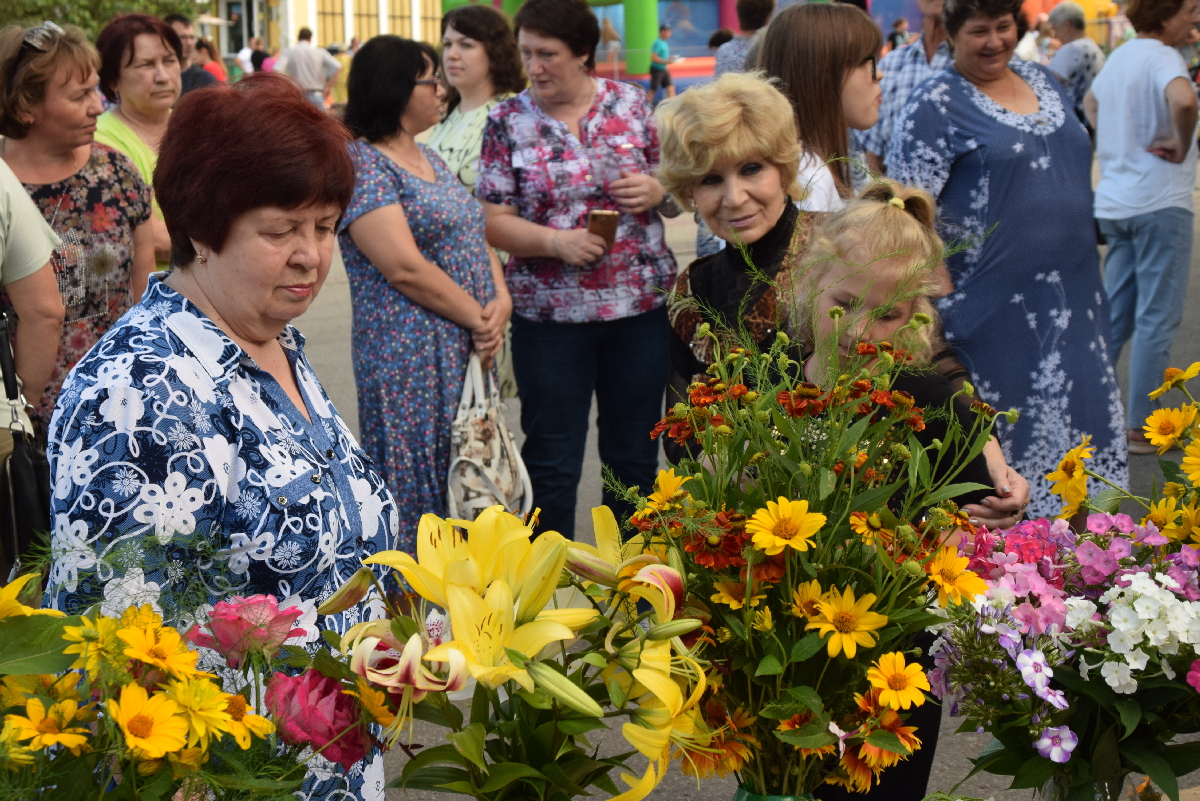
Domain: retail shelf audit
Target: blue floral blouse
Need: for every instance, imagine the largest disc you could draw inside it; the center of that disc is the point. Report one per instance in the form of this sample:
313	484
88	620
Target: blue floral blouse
183	474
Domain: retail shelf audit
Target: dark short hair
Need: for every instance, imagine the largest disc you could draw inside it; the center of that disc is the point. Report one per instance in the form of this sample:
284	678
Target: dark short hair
570	21
1148	16
304	33
754	14
664	27
490	28
383	74
719	37
955	13
182	19
214	164
115	44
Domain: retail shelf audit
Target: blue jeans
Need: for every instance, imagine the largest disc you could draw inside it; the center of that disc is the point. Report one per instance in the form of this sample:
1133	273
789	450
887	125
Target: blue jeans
1146	276
707	243
558	366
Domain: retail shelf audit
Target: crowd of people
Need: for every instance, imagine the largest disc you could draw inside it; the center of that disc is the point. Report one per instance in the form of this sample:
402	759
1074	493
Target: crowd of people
163	226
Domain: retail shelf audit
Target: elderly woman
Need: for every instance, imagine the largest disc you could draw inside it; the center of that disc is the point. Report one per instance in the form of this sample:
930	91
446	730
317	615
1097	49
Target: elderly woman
483	68
91	195
194	454
587	318
998	144
140	58
426	288
730	152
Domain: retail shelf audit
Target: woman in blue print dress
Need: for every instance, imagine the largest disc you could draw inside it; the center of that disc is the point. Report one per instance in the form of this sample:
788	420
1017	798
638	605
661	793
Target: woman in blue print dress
1000	147
194	454
425	286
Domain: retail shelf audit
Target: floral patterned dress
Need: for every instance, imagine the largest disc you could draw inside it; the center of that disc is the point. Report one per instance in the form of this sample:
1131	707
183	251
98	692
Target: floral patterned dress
94	213
1028	315
410	362
183	474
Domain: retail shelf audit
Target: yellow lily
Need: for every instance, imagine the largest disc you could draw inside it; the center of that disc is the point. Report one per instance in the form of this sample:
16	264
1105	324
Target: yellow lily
663	719
11	607
485	627
601	563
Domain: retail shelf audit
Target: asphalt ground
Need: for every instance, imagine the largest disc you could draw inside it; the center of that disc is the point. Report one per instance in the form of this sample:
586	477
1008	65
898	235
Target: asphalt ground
326	327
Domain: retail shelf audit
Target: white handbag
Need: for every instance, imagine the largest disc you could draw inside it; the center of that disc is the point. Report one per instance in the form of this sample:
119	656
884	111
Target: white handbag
485	467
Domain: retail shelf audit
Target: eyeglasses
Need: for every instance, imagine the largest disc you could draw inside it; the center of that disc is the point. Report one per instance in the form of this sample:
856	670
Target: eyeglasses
39	39
434	81
874	67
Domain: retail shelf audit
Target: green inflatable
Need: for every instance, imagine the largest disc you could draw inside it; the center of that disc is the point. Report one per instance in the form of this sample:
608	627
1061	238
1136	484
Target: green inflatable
641	27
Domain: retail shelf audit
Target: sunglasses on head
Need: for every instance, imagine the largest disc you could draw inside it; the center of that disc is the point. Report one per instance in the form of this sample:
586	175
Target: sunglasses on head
36	39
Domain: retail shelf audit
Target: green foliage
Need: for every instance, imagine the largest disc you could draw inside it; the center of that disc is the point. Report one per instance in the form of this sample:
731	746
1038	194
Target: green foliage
91	15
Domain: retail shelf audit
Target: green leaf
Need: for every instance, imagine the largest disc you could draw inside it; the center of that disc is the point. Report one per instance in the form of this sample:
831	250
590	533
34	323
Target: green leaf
1098	691
1034	773
438	778
1183	758
516	657
331	638
403	628
34	644
1172	472
769	666
807	648
952	491
469	743
874	498
595	660
825	483
327	665
502	774
795	701
554	772
997	759
574	726
430	712
818	740
1131	714
1148	757
295	656
1107	501
882	738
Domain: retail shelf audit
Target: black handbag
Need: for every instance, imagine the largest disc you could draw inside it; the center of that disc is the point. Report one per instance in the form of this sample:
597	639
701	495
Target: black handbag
24	475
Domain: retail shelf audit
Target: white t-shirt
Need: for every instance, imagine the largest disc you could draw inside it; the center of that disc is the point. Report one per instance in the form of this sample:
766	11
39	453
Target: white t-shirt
26	241
1077	63
243	58
817	184
1133	114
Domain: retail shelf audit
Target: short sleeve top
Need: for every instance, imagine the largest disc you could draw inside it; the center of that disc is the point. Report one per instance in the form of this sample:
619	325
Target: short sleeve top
459	138
26	242
533	162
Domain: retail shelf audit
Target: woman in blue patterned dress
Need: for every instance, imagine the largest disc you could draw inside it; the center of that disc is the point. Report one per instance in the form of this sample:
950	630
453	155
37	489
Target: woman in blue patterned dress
1000	147
193	453
426	288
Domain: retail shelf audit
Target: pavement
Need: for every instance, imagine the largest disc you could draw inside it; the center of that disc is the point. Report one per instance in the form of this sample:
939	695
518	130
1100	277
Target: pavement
326	327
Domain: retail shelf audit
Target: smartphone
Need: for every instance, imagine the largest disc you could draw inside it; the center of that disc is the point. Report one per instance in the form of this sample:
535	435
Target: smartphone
604	223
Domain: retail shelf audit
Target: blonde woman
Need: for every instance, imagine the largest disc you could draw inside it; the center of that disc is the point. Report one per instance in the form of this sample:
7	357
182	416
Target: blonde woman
729	152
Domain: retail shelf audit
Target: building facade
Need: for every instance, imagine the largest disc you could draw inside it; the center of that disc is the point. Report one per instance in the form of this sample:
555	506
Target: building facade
331	21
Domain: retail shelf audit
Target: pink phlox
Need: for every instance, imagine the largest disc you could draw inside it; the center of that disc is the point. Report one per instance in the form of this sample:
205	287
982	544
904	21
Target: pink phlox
1185	581
1148	535
1120	548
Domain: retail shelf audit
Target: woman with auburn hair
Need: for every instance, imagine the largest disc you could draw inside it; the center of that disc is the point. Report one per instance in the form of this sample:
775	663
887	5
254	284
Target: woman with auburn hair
195	454
89	193
482	68
824	57
140	73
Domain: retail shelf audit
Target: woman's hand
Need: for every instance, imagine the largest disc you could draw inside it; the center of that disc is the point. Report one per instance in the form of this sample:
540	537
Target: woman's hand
637	192
1007	506
489	336
577	246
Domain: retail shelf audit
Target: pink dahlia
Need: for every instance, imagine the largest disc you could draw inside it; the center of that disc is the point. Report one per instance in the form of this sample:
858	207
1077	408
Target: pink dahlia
242	625
311	709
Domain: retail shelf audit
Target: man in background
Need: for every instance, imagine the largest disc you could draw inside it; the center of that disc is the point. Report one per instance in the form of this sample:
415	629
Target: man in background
192	75
1078	59
752	15
660	57
311	67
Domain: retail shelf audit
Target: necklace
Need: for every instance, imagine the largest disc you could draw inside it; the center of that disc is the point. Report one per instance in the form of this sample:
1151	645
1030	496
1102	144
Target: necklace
394	154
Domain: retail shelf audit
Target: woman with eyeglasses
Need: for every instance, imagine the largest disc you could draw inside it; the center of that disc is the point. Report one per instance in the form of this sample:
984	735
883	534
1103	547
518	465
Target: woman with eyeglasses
90	194
997	142
425	287
589	314
823	56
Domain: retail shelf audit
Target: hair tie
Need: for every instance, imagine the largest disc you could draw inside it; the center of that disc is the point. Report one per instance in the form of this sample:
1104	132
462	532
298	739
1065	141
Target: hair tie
897	202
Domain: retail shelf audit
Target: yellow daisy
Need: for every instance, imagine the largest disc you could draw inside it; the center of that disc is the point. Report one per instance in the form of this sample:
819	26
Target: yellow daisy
850	622
805	599
96	643
51	726
1191	463
784	524
203	704
1165	516
667	489
13	754
141	617
1164	427
243	723
1174	377
10	606
374	702
1070	480
186	762
733	594
762	620
954	582
161	648
870	527
151	724
900	685
1189	522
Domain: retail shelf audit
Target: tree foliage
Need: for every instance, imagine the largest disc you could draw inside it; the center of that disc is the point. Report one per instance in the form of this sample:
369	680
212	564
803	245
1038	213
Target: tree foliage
91	15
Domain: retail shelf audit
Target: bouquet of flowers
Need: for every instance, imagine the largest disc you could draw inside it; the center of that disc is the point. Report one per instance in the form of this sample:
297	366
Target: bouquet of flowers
808	533
118	707
1081	656
484	609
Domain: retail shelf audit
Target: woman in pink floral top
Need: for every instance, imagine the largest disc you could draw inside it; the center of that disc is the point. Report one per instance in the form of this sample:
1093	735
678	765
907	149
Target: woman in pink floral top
585	318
